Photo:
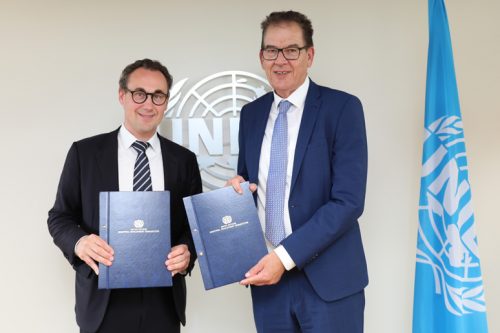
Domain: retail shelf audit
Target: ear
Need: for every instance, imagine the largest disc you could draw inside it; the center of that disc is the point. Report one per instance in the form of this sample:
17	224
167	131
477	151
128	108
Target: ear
310	56
121	96
166	107
261	59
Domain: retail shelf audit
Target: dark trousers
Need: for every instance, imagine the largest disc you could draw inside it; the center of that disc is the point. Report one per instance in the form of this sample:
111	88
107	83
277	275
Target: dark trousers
292	306
148	310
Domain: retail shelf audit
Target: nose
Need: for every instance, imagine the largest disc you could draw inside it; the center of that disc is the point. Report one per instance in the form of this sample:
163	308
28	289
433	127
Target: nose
281	58
148	103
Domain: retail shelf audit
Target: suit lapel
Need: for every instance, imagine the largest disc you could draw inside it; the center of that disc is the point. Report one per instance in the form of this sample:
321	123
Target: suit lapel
311	110
261	112
107	160
169	164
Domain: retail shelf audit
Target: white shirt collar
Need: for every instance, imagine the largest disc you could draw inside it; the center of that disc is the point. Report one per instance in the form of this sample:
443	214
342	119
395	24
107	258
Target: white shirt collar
128	139
297	98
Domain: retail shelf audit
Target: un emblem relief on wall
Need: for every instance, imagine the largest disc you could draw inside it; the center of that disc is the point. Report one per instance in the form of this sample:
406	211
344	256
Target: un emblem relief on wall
447	239
204	117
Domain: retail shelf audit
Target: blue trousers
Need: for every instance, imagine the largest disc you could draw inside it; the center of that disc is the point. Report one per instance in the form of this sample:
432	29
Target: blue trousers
292	305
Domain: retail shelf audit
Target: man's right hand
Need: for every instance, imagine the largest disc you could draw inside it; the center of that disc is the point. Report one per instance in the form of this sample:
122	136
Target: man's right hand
235	183
92	249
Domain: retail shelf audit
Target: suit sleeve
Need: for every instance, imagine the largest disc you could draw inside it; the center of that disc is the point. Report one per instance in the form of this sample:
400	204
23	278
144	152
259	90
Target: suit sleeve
194	187
65	216
348	163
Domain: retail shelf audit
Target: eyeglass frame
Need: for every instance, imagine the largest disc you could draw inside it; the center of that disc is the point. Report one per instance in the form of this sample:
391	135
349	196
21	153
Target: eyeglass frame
132	92
305	47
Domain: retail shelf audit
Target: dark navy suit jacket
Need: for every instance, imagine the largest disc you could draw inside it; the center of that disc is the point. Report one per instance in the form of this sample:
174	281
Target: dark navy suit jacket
92	166
327	190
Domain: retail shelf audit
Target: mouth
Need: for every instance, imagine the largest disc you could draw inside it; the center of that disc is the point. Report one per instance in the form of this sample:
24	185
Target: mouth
281	73
146	115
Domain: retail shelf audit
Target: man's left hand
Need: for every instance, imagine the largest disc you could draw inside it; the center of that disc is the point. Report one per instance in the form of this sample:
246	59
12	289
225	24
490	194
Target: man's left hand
178	259
266	272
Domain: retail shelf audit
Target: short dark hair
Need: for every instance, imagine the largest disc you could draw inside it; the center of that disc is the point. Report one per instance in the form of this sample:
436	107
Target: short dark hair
152	65
290	16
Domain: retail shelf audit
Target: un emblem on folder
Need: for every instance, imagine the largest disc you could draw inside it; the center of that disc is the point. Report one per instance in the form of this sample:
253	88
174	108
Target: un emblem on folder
139	224
227	219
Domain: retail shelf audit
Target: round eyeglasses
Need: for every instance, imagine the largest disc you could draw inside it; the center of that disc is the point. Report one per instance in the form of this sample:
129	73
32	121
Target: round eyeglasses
290	53
140	96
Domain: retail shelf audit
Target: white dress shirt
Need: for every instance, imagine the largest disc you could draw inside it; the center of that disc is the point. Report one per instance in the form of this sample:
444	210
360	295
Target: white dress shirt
126	161
294	117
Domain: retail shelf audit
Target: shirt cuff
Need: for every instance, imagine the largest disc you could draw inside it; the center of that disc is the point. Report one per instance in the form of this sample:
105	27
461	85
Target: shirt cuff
78	242
285	258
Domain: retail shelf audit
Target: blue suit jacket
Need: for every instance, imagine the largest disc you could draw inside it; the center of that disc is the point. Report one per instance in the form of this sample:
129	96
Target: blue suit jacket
328	186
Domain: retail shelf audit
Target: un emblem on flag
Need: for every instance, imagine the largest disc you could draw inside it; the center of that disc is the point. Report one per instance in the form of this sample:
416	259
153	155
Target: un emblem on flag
446	236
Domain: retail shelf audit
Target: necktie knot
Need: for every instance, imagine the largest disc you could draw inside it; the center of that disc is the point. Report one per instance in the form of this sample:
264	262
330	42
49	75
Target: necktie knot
140	146
284	106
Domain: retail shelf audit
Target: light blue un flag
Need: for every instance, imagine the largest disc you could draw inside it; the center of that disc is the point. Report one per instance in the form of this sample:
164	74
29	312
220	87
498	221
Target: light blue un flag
449	294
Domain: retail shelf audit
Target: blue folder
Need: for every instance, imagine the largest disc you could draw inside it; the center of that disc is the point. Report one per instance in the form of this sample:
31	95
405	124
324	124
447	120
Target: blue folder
227	234
137	226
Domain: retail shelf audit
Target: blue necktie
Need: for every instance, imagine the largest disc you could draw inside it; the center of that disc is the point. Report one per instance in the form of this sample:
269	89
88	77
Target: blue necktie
142	173
276	179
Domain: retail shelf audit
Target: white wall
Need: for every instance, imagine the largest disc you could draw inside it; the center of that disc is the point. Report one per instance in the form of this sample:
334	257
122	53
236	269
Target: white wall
60	62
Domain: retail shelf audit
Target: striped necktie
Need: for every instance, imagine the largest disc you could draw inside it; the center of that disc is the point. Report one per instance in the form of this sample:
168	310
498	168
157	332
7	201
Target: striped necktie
276	179
142	173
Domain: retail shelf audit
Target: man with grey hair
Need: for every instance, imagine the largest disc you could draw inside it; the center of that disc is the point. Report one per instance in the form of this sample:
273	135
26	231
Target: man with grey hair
303	146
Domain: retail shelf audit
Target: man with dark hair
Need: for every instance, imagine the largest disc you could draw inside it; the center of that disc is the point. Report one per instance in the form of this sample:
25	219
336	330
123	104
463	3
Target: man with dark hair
303	148
106	163
149	64
276	18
